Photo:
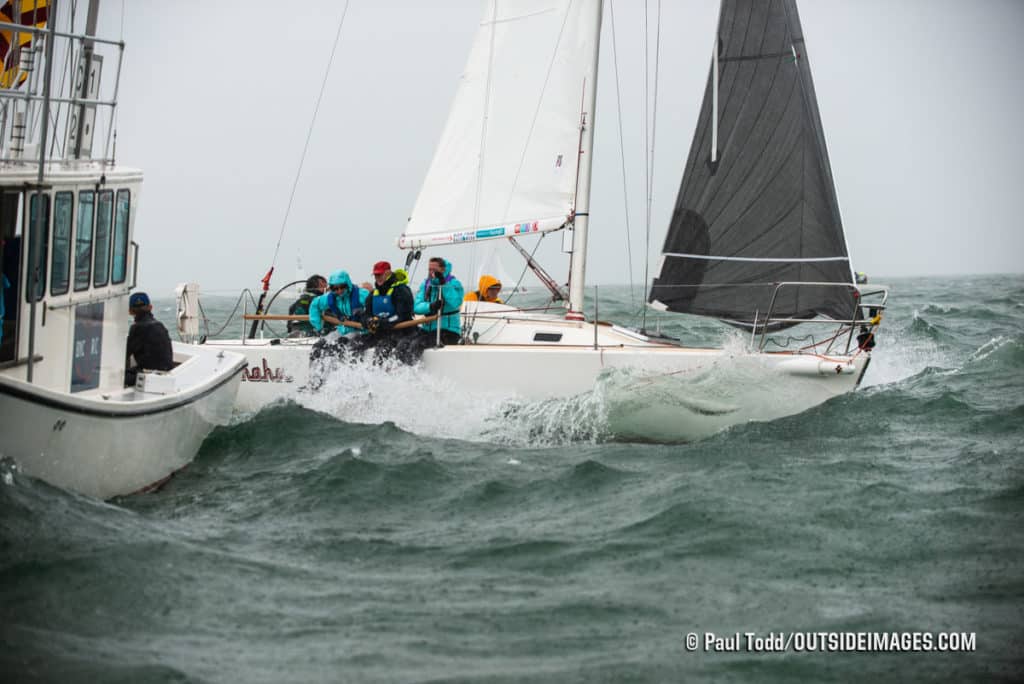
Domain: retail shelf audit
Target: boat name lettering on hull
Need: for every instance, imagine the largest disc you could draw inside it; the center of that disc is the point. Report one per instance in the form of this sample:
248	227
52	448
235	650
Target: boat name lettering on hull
264	373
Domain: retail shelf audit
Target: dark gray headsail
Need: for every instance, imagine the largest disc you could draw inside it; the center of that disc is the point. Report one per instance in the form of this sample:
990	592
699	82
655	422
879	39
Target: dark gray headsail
762	209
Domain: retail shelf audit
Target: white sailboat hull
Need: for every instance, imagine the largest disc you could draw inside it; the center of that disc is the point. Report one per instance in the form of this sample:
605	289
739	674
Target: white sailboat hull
651	391
671	394
130	441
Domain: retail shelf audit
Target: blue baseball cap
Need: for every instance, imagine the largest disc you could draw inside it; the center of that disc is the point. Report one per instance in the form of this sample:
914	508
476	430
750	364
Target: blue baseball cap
138	299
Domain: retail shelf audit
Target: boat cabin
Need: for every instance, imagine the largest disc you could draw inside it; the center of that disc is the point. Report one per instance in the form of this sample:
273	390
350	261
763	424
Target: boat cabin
68	254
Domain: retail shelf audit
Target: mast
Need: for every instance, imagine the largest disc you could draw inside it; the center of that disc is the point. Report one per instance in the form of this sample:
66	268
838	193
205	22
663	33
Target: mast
36	230
581	220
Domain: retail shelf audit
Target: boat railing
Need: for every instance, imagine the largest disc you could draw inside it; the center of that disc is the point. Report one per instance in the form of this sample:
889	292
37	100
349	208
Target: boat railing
76	104
870	303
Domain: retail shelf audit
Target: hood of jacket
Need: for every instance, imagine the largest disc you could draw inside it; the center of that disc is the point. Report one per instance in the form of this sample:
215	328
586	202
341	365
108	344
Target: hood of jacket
340	278
430	280
486	282
398	277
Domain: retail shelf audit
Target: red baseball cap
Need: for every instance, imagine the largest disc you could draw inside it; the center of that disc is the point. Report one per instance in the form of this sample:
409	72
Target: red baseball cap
381	267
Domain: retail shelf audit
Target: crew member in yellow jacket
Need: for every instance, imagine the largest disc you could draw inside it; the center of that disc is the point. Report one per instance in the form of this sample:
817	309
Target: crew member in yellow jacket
488	290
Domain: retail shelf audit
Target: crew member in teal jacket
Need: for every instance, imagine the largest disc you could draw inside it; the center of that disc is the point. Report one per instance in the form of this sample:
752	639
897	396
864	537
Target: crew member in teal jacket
344	300
441	293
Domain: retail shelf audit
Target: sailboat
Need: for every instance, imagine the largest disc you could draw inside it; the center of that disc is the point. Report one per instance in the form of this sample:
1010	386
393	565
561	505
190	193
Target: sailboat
67	218
756	238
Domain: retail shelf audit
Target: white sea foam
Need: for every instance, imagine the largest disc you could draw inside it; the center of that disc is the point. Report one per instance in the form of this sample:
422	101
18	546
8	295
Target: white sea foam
900	355
363	392
989	348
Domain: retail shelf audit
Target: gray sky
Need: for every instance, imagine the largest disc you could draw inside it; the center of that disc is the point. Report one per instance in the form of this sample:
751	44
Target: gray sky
921	100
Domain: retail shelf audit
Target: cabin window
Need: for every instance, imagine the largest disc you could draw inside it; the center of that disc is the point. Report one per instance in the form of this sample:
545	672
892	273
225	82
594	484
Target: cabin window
39	243
83	240
101	250
60	273
120	258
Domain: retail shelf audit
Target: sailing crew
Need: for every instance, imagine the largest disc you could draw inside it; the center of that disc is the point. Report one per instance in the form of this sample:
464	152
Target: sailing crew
391	300
441	293
344	300
389	304
487	290
149	345
316	285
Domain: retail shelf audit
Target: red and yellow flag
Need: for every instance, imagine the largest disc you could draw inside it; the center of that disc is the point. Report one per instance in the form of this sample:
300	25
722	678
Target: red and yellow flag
30	13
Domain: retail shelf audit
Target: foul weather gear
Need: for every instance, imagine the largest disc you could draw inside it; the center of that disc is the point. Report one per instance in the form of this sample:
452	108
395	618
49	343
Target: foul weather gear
347	306
446	289
390	302
150	345
486	283
299	307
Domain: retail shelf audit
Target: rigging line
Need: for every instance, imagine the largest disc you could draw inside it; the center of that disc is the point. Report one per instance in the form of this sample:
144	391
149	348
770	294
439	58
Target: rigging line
483	130
115	110
526	266
622	156
652	118
646	121
540	101
536	112
806	85
309	134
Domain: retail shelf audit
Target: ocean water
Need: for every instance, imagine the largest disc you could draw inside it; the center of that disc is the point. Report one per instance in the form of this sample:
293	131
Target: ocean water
328	539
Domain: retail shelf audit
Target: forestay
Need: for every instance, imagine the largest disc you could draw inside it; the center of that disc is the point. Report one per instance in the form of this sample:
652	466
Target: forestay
761	208
506	163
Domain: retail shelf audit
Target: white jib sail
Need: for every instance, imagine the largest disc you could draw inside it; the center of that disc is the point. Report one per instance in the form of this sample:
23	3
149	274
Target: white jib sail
506	162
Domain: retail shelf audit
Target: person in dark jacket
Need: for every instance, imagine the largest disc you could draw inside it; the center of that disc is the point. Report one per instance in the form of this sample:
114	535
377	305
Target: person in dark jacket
391	300
389	303
316	285
149	345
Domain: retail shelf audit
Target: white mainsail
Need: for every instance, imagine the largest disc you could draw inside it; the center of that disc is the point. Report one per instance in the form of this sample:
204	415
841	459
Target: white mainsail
507	161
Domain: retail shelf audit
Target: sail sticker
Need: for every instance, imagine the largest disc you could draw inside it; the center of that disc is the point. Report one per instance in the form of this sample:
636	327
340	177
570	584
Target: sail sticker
461	236
558	162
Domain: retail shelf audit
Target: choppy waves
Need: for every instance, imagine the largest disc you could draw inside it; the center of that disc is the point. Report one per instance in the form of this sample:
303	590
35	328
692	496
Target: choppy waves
386	529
